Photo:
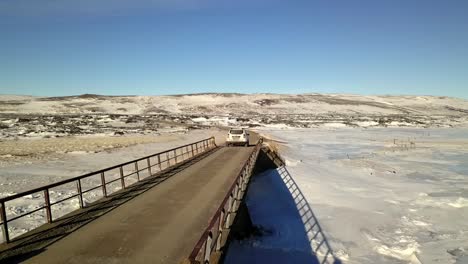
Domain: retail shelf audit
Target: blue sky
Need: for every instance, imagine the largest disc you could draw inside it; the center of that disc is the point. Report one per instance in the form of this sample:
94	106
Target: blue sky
152	47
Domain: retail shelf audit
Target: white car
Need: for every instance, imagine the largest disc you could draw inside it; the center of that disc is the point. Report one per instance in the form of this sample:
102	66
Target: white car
238	136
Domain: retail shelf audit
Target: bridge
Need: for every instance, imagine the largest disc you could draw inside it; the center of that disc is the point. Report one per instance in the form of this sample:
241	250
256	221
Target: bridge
171	207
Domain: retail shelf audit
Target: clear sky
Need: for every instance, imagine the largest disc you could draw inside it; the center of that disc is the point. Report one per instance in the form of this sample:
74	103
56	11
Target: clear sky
152	47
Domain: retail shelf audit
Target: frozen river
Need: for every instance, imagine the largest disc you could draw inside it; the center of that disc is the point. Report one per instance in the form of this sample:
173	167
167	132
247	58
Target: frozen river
384	195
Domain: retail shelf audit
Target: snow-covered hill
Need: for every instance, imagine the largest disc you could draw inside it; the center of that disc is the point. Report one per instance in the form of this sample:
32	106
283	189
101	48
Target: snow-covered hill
303	110
235	103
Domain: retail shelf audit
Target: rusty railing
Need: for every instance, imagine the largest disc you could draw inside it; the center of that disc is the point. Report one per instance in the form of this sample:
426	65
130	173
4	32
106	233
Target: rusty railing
214	236
87	186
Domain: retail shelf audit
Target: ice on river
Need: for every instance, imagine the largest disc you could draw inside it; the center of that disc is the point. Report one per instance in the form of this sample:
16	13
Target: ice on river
380	195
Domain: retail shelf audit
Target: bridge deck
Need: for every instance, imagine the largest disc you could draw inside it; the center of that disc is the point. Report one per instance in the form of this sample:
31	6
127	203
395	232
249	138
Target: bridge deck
160	225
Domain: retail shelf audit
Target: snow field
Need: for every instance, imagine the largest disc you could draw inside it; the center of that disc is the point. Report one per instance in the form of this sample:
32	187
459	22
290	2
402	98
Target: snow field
377	202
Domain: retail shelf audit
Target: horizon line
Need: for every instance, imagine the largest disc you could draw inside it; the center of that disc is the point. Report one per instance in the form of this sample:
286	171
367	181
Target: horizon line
231	93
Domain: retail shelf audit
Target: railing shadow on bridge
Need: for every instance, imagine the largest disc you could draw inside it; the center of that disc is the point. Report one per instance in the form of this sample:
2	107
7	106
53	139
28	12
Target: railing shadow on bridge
279	203
35	242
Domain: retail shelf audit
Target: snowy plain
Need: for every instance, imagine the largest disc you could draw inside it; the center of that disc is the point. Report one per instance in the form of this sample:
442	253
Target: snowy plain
381	195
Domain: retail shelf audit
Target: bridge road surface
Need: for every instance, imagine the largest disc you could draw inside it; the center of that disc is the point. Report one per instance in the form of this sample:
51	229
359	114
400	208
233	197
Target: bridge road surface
161	225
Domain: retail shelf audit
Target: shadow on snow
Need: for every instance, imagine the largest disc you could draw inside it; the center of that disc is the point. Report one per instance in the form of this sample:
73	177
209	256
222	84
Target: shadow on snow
290	230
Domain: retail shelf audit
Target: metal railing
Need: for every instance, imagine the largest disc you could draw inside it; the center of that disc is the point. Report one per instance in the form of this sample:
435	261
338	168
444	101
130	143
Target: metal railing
213	238
89	183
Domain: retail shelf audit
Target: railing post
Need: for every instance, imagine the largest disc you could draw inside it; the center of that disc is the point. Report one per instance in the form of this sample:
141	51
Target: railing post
175	155
193	153
220	231
209	240
80	194
3	217
122	179
149	166
103	183
47	206
137	171
236	196
244	181
159	162
239	190
227	224
167	159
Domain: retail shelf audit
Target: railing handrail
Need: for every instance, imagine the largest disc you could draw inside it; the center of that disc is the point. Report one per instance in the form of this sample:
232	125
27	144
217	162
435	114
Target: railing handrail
52	185
219	212
191	150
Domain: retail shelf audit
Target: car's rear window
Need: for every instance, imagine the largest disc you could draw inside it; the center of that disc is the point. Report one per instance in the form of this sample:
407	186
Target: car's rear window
236	131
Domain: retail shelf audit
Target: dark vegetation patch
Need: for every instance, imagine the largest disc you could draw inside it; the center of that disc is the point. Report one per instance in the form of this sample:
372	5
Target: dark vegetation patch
13	102
215	94
124	100
56	98
202	108
156	110
263	102
465	111
82	96
75	104
340	101
88	96
96	109
297	100
233	106
27	125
